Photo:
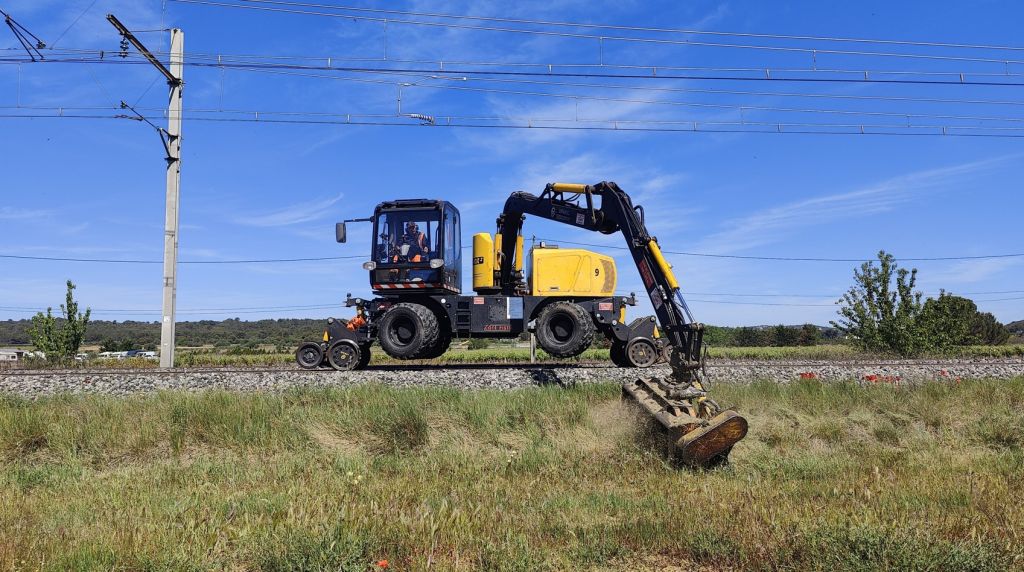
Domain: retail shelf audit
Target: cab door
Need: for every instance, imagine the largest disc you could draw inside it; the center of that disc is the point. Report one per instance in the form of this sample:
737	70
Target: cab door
452	249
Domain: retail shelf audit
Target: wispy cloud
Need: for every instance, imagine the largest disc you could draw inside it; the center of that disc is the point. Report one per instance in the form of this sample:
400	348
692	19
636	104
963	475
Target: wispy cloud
295	214
14	213
775	223
970	271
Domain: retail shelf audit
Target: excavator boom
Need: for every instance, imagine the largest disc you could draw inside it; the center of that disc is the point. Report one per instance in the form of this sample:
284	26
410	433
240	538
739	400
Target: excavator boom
699	432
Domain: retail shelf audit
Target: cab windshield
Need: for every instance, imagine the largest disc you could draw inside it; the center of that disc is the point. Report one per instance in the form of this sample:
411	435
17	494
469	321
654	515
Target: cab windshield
407	236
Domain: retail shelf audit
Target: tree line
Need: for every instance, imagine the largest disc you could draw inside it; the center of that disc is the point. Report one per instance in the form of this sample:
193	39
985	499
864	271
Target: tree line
880	313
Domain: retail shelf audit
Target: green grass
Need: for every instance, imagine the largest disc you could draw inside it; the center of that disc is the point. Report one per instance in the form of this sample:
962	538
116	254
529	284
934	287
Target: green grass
831	477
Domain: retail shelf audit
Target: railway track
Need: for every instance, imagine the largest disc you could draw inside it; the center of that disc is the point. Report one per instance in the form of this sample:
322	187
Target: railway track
594	365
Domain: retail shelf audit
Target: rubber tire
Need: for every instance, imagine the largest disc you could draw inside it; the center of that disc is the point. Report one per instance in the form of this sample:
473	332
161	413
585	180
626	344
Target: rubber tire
364	356
312	353
343	349
618	355
652	356
564	329
408	331
443	342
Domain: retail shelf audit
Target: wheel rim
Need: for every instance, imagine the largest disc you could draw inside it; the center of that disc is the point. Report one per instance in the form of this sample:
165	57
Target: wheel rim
562	327
403	331
343	356
309	357
641	353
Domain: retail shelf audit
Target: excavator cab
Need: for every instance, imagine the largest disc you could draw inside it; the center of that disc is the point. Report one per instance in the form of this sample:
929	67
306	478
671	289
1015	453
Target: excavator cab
416	246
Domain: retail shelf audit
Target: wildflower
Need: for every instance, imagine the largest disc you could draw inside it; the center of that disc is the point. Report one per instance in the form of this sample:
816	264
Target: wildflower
382	564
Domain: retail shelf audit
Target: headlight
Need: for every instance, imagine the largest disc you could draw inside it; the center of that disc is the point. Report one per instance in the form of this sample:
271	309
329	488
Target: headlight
369	265
436	262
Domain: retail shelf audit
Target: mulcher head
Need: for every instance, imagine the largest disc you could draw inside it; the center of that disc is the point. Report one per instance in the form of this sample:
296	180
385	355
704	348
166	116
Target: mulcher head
695	431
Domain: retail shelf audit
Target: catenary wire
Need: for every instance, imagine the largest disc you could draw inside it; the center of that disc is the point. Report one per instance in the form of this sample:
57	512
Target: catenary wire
439	65
724	127
739	108
639	28
765	74
136	261
794	258
603	38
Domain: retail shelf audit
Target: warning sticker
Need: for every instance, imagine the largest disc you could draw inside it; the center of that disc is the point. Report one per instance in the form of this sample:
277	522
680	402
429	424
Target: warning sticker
478	300
656	298
497	328
580	219
604	306
645	273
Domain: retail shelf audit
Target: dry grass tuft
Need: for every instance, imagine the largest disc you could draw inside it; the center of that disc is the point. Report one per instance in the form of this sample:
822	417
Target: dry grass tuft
831	477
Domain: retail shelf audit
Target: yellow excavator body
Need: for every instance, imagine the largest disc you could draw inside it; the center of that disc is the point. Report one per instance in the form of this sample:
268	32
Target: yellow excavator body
570	272
551	271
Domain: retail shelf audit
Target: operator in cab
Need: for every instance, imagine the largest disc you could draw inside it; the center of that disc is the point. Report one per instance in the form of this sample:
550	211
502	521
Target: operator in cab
415	240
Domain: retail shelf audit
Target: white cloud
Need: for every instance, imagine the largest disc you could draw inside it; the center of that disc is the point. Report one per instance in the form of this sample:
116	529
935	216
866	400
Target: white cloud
969	272
775	223
14	213
294	214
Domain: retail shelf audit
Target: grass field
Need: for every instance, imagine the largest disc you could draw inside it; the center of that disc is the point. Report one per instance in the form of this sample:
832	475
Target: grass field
831	477
498	354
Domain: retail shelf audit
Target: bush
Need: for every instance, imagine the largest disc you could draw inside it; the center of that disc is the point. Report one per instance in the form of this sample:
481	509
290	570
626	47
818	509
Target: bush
478	344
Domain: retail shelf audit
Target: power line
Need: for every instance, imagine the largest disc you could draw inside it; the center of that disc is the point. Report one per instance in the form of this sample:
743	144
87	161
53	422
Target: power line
603	246
759	295
602	38
854	97
438	66
739	108
638	28
129	261
794	258
735	127
766	74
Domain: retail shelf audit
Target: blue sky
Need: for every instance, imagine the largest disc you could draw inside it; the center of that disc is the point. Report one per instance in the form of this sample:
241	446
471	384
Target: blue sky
95	189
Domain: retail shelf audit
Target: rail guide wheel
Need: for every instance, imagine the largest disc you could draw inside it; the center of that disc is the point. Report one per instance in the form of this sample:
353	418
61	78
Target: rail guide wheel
641	352
309	355
344	355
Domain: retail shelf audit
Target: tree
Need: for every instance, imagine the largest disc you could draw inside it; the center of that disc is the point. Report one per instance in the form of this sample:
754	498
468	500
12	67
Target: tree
950	321
947	321
751	337
879	318
783	336
60	340
112	345
987	330
808	335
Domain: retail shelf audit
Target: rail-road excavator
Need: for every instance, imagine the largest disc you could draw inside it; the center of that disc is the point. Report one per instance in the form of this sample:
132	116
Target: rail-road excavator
564	297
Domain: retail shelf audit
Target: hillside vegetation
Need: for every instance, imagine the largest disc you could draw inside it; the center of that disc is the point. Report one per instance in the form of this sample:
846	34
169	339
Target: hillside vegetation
831	477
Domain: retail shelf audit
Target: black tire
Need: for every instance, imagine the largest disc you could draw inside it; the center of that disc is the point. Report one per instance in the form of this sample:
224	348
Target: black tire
564	329
309	355
343	355
364	356
641	352
408	331
443	341
618	354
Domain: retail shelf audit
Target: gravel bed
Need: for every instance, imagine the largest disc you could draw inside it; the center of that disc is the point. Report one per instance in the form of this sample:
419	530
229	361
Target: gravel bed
34	384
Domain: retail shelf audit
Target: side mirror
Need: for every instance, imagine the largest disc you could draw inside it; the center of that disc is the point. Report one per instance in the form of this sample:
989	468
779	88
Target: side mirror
339	232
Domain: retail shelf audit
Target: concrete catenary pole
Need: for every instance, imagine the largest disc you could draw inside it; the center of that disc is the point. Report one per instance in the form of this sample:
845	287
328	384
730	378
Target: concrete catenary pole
172	210
172	141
